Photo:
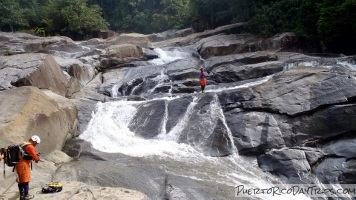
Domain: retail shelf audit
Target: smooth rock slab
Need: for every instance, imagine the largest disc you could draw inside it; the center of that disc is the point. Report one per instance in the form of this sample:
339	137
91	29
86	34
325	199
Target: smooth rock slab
79	190
39	70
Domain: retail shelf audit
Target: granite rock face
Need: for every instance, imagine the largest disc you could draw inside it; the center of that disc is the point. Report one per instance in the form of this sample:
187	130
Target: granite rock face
32	70
294	113
27	111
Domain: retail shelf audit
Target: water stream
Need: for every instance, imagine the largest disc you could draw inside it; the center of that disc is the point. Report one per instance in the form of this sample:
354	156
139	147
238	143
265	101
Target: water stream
108	131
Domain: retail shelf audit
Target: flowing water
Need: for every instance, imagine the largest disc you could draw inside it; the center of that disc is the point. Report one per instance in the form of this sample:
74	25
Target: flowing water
109	131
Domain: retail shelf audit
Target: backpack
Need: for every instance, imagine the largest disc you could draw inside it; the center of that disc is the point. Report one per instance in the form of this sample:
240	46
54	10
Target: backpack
13	154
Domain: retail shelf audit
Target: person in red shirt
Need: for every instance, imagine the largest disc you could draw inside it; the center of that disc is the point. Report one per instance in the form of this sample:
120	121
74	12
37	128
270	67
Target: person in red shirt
202	79
23	168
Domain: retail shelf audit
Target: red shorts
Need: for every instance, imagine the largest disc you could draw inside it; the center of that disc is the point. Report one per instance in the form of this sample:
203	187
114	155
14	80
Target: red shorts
203	82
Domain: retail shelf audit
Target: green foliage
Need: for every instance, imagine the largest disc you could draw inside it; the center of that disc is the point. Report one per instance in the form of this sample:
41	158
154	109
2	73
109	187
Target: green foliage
12	17
329	23
337	25
145	16
261	24
173	15
40	32
299	16
72	18
212	13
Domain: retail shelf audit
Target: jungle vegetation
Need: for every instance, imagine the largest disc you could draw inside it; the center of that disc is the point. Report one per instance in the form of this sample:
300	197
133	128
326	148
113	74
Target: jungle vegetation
330	24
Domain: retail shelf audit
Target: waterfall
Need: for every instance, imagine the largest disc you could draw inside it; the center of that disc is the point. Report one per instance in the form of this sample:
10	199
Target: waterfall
222	116
109	131
321	62
302	63
222	87
168	56
160	80
174	134
349	65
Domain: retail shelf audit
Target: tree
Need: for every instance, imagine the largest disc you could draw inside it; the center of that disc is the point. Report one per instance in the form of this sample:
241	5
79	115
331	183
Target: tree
73	18
12	16
145	16
172	15
214	13
337	26
211	13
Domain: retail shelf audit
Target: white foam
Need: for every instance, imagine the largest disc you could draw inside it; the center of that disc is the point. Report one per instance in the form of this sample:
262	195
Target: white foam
246	85
348	65
108	131
168	56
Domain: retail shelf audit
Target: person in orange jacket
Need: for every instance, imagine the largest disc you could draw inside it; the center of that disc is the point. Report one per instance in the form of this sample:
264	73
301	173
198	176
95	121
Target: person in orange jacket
202	79
23	168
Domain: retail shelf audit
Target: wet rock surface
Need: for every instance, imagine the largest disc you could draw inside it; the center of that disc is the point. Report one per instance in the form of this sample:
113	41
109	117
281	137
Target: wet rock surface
293	112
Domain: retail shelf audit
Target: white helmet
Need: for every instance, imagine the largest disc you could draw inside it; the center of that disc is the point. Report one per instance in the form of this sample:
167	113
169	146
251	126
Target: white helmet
35	138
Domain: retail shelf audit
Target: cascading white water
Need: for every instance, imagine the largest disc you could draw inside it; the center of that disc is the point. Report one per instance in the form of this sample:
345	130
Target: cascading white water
108	131
165	56
351	66
168	56
160	79
249	84
307	64
319	63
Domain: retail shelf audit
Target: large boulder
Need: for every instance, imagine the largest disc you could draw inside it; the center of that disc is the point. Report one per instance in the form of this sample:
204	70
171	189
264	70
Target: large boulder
330	122
226	44
80	69
155	177
156	37
286	163
229	73
242	59
349	174
117	55
238	67
19	43
220	45
148	120
124	51
330	170
156	78
39	70
115	171
339	163
137	39
80	190
83	74
302	89
42	173
254	132
206	129
288	42
105	34
26	111
86	99
193	38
